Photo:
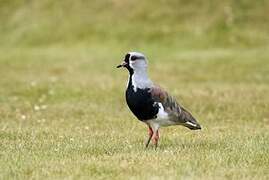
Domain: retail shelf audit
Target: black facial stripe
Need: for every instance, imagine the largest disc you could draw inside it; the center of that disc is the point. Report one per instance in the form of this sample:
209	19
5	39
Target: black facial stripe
133	58
126	59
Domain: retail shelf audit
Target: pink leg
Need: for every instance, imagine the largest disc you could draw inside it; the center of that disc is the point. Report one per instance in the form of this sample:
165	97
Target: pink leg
156	137
150	136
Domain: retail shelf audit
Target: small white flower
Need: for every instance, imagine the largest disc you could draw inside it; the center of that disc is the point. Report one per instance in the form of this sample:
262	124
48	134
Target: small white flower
36	108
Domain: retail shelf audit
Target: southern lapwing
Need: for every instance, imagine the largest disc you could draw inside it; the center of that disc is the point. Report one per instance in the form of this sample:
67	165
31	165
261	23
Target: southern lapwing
150	103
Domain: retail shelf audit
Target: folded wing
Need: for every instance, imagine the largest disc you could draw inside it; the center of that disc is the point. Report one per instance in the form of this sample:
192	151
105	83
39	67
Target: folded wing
176	112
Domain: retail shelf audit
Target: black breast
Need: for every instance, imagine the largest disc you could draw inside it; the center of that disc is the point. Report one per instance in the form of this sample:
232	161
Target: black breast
141	103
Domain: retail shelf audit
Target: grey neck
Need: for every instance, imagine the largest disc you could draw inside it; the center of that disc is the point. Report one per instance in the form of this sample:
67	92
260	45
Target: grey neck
140	79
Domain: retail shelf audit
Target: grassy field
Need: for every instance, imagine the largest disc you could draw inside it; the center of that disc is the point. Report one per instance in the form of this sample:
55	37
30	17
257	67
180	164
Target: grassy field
62	107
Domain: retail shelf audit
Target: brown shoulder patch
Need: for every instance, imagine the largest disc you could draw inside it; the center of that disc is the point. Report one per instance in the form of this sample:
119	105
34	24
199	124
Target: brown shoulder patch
157	93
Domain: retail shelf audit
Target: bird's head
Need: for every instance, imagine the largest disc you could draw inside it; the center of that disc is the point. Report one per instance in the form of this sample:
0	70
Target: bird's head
134	61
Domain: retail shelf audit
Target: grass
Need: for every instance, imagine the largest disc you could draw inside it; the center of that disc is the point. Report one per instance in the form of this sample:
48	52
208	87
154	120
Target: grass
62	108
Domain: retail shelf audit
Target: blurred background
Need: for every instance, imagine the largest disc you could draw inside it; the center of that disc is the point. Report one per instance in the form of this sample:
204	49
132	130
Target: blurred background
53	38
62	107
132	24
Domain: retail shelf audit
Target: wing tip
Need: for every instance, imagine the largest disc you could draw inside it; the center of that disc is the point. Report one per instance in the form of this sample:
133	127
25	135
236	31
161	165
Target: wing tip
193	126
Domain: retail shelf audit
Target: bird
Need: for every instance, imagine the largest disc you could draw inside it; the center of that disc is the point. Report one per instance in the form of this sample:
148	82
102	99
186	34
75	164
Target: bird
149	102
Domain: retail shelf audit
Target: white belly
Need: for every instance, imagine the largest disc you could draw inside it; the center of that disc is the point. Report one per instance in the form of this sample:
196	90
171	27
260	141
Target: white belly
161	120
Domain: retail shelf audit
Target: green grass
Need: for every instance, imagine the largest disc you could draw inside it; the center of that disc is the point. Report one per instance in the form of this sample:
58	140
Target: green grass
62	107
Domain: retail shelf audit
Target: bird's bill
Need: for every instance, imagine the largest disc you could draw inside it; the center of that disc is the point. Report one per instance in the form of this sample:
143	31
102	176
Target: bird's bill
123	64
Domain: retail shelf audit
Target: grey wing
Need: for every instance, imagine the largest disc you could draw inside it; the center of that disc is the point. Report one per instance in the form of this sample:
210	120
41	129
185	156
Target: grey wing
176	113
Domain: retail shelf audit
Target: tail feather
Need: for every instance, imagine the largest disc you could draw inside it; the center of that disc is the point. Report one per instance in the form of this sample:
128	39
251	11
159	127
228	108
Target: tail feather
188	120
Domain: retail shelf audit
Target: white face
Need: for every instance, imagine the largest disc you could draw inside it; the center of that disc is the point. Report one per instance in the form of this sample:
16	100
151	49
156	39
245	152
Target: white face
137	61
